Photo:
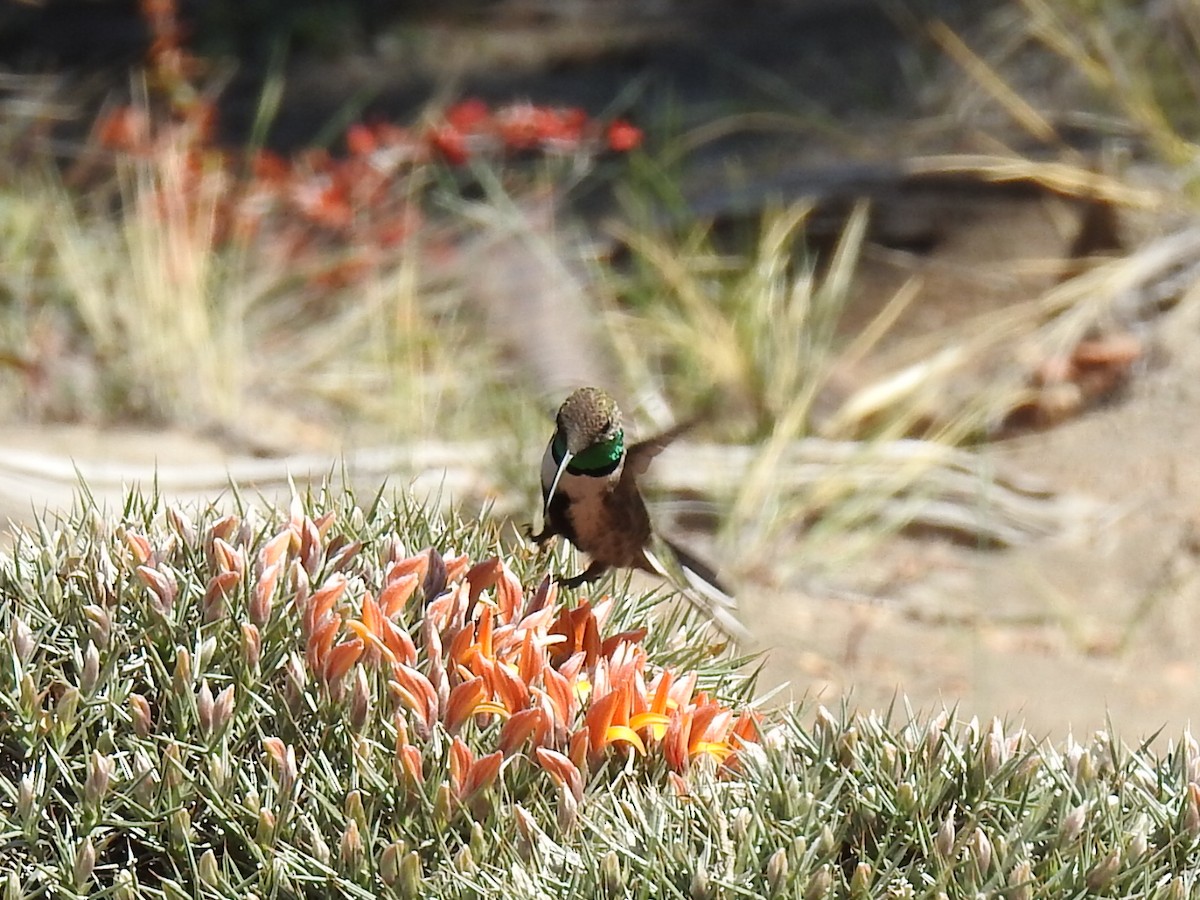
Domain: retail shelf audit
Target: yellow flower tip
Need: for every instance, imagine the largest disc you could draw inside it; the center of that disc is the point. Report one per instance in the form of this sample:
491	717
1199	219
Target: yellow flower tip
624	733
656	722
491	706
718	750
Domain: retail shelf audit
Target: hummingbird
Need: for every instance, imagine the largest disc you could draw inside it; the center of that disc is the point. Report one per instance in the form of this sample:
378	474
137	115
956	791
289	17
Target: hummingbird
591	497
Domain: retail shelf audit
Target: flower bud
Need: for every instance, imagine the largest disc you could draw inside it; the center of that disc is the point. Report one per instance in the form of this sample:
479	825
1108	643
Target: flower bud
161	585
568	810
351	850
611	877
181	525
860	881
30	699
980	850
125	886
317	845
172	766
410	880
819	884
1102	874
25	799
1020	881
179	823
205	653
777	871
99	624
139	712
1138	843
297	678
251	646
204	709
65	710
145	779
223	709
1072	823
464	862
99	772
208	870
219	768
389	862
1191	809
22	640
353	807
943	844
264	829
443	805
181	680
85	862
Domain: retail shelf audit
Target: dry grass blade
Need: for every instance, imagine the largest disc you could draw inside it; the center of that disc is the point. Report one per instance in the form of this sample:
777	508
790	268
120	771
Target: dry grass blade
987	78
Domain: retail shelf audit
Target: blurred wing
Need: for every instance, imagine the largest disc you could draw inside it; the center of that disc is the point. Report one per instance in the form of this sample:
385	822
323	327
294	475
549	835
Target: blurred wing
697	582
639	456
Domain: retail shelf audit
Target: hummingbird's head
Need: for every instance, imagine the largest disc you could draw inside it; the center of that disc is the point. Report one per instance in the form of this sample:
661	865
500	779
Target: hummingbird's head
589	418
588	439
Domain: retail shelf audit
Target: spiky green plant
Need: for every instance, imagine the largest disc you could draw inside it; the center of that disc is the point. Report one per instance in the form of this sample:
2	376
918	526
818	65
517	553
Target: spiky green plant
166	731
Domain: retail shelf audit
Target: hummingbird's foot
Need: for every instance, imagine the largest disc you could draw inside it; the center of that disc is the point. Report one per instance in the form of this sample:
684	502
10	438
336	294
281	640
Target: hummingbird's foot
541	537
591	573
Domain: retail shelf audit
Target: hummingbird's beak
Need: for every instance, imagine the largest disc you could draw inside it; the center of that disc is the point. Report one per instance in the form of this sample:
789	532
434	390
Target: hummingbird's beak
562	467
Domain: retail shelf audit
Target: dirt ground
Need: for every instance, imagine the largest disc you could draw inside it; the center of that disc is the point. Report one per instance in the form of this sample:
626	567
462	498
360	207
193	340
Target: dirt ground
1092	629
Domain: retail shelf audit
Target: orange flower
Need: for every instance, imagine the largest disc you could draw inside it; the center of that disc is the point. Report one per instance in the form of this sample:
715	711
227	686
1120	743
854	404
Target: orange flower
521	727
340	660
464	699
320	604
416	692
413	565
396	592
564	772
622	136
264	592
468	775
272	553
321	640
608	722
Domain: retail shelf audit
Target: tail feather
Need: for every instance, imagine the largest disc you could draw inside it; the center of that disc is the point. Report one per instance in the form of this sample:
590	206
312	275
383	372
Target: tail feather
698	582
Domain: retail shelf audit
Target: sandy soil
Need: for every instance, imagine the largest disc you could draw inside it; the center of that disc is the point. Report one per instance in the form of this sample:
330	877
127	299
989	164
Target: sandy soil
1068	633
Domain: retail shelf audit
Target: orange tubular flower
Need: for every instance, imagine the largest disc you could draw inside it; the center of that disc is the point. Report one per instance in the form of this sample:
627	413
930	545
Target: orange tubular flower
456	567
320	642
564	772
608	722
416	692
320	604
521	726
272	553
340	660
468	775
396	593
481	774
464	700
264	592
482	576
413	565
